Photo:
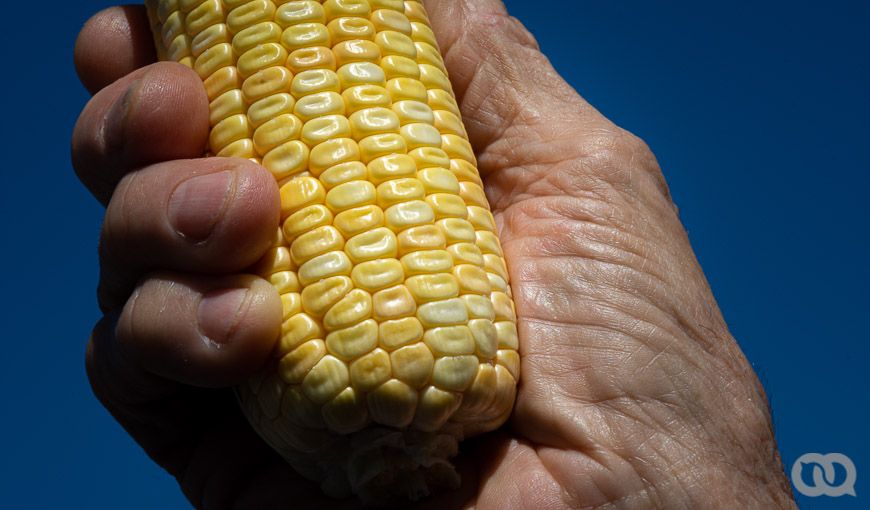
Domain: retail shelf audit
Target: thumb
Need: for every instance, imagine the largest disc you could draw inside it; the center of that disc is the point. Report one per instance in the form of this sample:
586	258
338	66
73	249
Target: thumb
502	80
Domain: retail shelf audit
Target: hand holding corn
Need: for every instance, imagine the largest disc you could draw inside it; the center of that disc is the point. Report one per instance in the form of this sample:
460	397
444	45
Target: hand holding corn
378	327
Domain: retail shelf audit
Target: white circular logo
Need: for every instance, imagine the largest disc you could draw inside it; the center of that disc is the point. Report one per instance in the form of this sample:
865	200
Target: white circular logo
824	475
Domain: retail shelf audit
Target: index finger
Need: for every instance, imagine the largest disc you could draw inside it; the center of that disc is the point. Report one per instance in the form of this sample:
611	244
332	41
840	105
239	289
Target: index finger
113	43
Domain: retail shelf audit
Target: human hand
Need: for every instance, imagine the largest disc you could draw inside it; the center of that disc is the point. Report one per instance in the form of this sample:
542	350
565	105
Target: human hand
633	394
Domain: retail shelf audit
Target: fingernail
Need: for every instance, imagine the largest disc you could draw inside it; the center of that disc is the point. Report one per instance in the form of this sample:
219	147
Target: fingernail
197	204
220	312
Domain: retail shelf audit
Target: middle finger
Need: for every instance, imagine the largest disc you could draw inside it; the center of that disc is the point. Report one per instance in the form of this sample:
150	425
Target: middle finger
214	215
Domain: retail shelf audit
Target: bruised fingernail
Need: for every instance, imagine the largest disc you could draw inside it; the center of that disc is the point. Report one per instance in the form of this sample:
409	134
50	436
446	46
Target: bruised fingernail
115	121
219	313
197	204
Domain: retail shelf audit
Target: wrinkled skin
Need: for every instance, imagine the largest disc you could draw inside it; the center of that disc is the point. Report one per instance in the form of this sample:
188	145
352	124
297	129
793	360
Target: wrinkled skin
634	394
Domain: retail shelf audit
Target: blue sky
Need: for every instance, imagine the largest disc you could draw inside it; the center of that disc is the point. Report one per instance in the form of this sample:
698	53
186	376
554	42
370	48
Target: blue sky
757	112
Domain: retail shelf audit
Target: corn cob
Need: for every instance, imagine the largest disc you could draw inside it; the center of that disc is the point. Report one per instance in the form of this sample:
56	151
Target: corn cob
399	336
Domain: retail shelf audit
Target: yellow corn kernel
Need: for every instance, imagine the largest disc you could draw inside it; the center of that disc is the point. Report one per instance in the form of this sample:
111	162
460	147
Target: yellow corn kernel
439	99
395	5
315	57
356	50
254	35
409	214
450	340
319	104
434	408
305	219
425	237
413	364
506	334
279	130
498	283
243	148
370	370
207	38
275	260
261	57
327	154
295	365
414	112
346	413
340	8
227	104
350	28
266	109
509	359
359	219
485	337
432	287
342	173
479	307
322	129
291	304
503	306
386	144
428	54
207	63
393	404
294	13
427	262
354	307
481	218
287	159
353	341
222	80
473	195
454	373
325	380
314	243
427	157
391	166
373	121
466	253
393	303
396	43
299	193
397	313
447	205
472	279
365	96
351	195
448	312
297	329
399	190
407	89
318	298
399	332
438	180
264	83
360	73
371	245
387	19
313	81
305	35
250	13
334	263
285	281
396	66
377	274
